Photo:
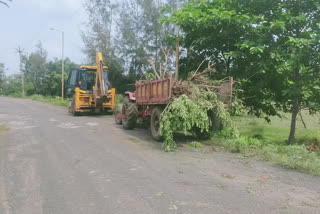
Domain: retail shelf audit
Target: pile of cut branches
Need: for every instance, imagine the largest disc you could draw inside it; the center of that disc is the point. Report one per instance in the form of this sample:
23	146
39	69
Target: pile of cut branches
196	79
199	106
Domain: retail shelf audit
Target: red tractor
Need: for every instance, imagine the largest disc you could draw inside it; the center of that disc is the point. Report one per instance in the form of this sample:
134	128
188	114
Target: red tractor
149	100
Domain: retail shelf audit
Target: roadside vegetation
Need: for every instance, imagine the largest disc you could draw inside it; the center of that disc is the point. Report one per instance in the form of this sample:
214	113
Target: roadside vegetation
268	141
119	101
52	100
55	100
3	128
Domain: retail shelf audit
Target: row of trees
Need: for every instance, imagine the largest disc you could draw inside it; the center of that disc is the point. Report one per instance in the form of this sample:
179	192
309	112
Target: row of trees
272	47
40	75
129	33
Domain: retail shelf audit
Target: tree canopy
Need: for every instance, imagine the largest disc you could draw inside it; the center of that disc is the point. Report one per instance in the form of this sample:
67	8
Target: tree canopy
41	76
272	46
129	33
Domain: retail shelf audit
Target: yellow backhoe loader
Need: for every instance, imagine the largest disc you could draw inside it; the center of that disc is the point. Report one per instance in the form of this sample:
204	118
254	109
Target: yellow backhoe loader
89	89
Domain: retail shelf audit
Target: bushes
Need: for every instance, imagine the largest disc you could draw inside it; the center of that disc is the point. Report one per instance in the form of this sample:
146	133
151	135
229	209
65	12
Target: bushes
244	144
293	157
119	101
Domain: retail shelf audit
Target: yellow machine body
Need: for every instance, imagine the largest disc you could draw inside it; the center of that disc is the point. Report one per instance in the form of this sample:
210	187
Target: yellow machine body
85	102
100	98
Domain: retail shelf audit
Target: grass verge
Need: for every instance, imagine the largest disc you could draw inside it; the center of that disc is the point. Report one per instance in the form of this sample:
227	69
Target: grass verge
45	99
53	100
3	128
268	142
57	100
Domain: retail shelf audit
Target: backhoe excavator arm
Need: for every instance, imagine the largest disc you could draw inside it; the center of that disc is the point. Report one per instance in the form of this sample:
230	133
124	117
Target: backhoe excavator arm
101	86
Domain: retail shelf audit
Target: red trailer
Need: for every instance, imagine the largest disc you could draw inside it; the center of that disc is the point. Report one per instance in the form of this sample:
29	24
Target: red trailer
150	99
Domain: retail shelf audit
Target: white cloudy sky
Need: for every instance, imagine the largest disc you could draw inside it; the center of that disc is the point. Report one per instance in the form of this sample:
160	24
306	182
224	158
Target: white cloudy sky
28	21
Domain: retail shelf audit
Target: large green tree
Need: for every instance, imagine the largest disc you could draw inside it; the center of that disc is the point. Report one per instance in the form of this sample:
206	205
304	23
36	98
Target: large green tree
98	37
271	45
11	86
36	72
43	76
128	32
54	75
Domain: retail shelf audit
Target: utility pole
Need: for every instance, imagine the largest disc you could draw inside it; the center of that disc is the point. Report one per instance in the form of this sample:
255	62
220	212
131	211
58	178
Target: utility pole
19	50
110	31
62	76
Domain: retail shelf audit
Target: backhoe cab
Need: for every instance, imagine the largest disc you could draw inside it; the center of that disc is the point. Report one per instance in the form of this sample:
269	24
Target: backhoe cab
89	89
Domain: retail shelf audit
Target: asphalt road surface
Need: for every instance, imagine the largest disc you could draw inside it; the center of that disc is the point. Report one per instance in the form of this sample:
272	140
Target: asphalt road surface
52	162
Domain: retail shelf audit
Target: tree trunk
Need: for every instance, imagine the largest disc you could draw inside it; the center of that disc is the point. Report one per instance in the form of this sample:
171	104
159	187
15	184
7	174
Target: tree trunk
295	111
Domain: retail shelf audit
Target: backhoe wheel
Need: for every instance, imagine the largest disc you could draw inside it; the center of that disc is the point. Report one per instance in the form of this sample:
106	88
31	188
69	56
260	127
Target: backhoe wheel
129	114
117	117
155	123
73	106
70	107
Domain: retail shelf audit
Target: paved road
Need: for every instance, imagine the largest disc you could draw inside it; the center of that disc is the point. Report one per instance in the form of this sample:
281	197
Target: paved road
52	162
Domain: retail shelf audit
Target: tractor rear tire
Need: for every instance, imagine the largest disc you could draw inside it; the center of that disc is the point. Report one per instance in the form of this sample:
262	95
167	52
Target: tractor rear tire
216	126
129	114
155	123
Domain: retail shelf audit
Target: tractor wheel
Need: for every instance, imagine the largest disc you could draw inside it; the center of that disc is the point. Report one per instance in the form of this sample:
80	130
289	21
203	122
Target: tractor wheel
204	135
155	123
117	117
129	114
216	125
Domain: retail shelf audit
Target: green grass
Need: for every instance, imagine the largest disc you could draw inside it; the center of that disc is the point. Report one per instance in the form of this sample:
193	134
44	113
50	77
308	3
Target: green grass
268	141
57	100
119	101
195	144
278	129
46	99
3	128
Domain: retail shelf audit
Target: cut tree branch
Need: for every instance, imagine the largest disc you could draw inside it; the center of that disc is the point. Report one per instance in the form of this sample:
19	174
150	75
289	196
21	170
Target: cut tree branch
143	70
207	70
166	55
199	67
154	68
2	2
